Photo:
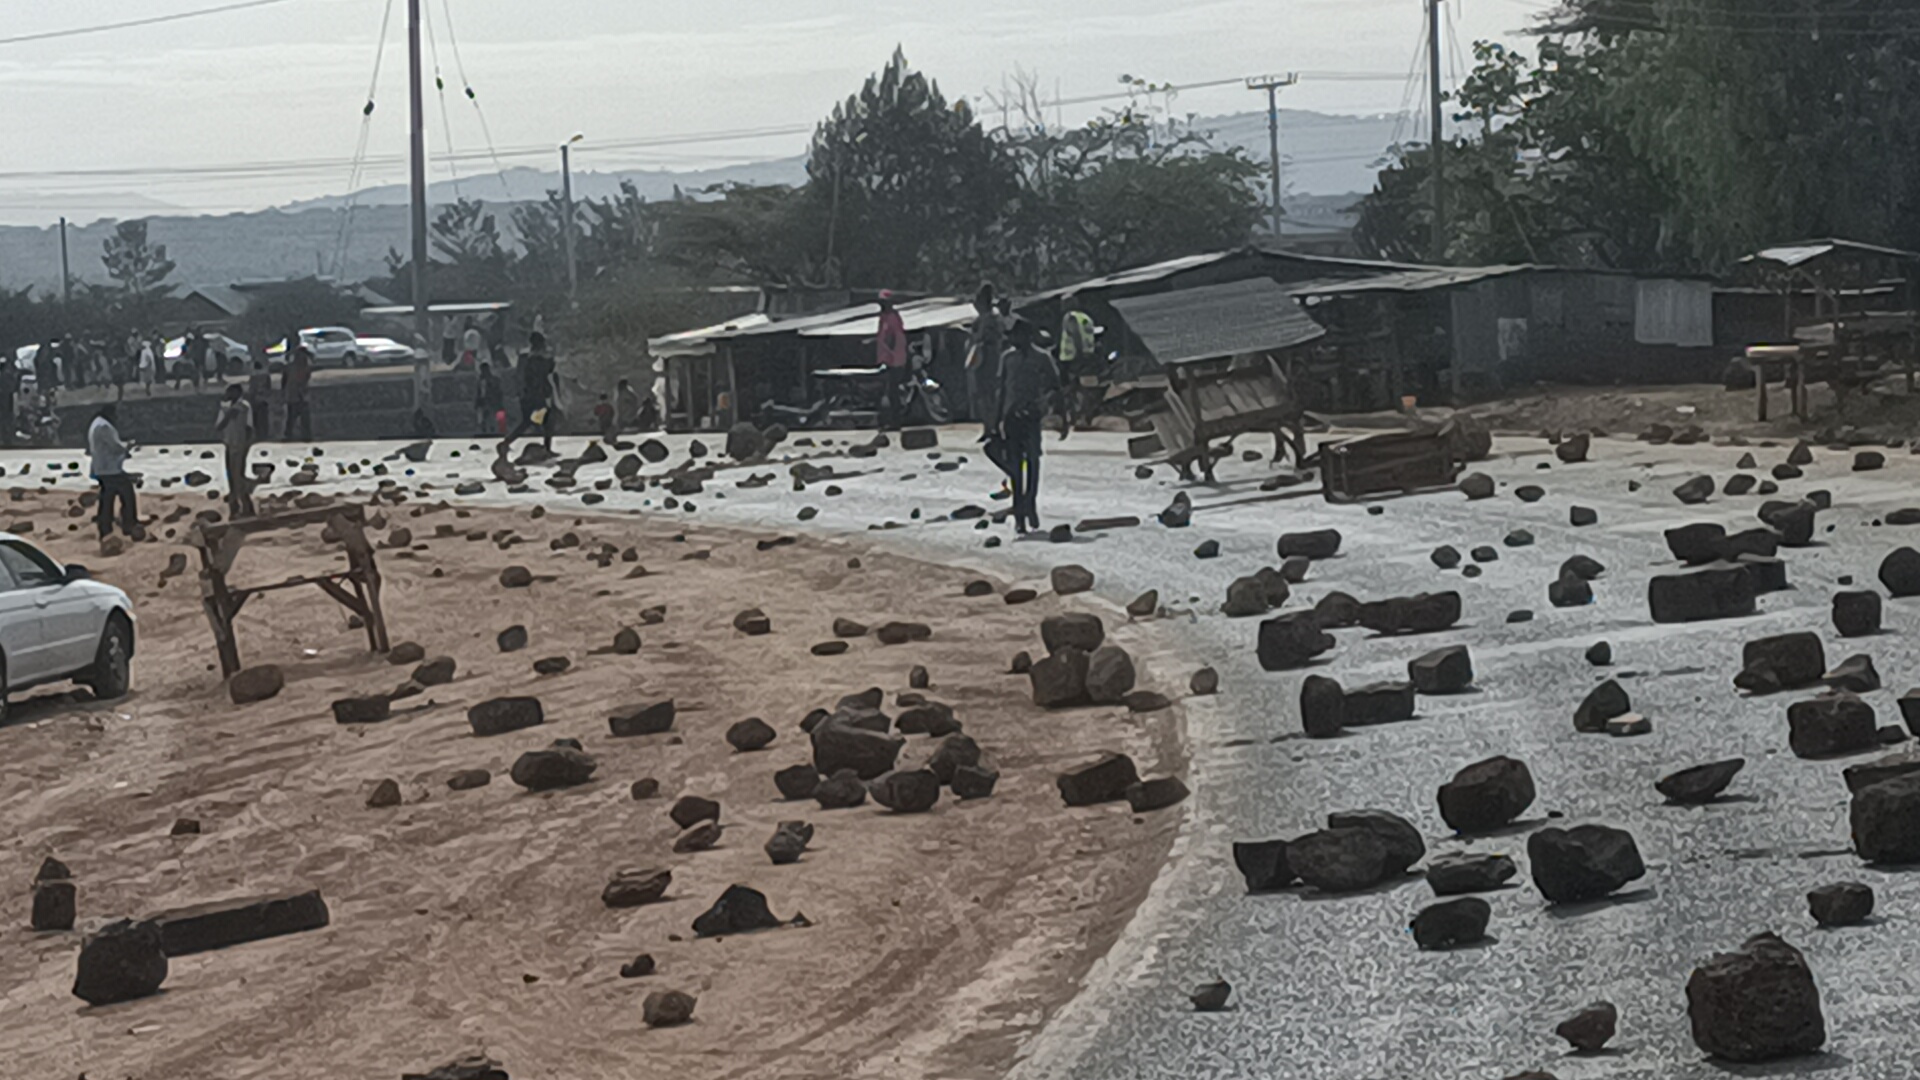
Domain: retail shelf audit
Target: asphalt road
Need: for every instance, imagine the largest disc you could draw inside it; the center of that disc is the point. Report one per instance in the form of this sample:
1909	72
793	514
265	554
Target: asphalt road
1335	987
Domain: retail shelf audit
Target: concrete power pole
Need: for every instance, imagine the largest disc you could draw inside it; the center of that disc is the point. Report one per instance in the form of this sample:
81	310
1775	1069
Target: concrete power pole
1272	85
66	275
1438	142
566	227
422	323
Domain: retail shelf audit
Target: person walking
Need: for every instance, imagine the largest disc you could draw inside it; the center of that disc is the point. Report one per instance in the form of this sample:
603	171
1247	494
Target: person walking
536	392
294	381
107	463
890	346
235	428
260	396
1030	387
195	353
626	407
490	401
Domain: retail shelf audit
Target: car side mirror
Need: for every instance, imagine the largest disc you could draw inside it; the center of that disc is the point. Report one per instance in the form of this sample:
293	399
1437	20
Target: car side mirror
75	572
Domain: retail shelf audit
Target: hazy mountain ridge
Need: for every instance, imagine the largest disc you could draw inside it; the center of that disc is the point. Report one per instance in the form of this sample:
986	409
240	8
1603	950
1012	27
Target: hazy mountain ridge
1326	156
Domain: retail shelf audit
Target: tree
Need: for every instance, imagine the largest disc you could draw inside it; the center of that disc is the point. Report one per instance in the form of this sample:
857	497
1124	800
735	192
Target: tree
293	305
140	269
905	189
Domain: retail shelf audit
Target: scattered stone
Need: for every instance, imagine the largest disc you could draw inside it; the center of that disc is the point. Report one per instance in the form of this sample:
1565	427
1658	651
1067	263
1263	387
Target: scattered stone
1570	590
1758	1003
1582	516
1357	850
1322	707
1179	513
900	633
1144	605
1378	703
667	1008
1584	567
1739	484
1831	724
1206	682
1211	997
917	677
632	888
257	683
1602	703
385	794
788	842
906	791
1109	675
739	910
1530	493
638	968
974	781
703	836
1446	557
1868	460
654	718
55	904
1477	486
1461	872
1599	654
840	743
1447	670
1021	664
1071	579
1484	554
1291	640
471	1067
552	665
1207	549
1319	544
516	577
512	639
121	961
626	641
1573	449
1855	674
407	652
499	716
1695	491
370	709
1885	818
1900	573
1856	613
753	622
1700	784
1698	543
1425	613
1518	538
1246	597
1585	862
1715	591
1264	864
558	766
1486	795
1146	796
1105	779
1589	1029
750	734
435	672
1452	923
1846	903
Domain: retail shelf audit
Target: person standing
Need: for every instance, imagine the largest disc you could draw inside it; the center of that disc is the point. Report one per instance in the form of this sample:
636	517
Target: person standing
144	366
1030	386
46	365
985	342
196	357
260	396
490	401
604	419
235	428
107	463
497	340
9	390
891	350
294	381
536	392
470	345
449	342
626	407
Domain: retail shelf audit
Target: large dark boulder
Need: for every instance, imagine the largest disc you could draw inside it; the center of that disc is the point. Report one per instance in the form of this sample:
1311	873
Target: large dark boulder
1110	675
1323	707
1339	860
1758	1003
1486	795
1104	779
1573	449
839	744
1318	544
1585	862
1856	613
1378	703
1602	703
1781	662
1570	590
1425	613
1291	641
1452	923
1442	671
223	924
797	781
1701	542
906	791
1059	680
1156	793
1886	820
1701	783
1843	903
1264	864
499	716
558	766
955	752
1900	572
1714	591
1403	843
120	962
652	718
1074	630
1468	872
1837	723
738	911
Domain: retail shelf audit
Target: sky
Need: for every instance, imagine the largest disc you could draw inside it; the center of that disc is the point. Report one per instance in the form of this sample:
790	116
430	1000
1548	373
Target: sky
260	106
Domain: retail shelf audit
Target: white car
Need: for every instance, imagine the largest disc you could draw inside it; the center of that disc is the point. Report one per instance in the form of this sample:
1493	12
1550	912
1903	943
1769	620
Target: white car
56	623
228	356
385	350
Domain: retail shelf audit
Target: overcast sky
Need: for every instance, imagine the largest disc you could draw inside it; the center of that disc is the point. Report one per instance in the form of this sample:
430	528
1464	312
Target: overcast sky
156	108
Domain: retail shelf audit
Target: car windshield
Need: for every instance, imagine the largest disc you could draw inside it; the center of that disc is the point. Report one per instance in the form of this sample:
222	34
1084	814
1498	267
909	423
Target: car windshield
28	567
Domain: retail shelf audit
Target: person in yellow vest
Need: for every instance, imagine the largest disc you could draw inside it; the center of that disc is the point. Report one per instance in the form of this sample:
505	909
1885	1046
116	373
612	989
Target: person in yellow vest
1080	364
1076	334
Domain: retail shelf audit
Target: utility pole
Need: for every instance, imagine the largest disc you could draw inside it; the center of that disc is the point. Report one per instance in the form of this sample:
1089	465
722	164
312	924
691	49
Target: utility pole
66	275
422	324
1439	138
566	230
1272	85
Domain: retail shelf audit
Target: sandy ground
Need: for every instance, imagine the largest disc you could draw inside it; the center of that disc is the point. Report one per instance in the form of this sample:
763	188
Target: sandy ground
1883	411
472	920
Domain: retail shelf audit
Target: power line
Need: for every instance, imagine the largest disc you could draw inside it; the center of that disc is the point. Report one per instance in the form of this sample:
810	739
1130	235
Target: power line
152	20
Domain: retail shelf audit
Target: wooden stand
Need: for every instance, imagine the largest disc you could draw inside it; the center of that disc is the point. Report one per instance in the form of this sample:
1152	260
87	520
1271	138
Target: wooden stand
357	588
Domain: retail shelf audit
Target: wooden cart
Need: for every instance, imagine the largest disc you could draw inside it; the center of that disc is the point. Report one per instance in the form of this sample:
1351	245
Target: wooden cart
1397	463
1221	400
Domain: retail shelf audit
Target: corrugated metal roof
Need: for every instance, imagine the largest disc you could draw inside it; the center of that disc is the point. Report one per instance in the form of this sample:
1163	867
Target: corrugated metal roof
1217	321
225	297
693	342
1411	281
1161	270
931	313
1801	252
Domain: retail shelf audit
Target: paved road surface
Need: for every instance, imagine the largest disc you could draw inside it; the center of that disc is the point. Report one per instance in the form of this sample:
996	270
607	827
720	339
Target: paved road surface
1335	988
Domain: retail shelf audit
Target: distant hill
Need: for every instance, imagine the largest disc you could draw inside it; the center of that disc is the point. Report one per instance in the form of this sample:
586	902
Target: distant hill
1330	162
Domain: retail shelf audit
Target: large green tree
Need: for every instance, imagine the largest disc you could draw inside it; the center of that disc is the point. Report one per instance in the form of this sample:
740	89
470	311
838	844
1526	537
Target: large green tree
139	270
907	187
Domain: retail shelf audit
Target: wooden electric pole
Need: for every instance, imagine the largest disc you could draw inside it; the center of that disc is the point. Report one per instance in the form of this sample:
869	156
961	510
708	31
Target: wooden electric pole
1439	137
422	324
1272	85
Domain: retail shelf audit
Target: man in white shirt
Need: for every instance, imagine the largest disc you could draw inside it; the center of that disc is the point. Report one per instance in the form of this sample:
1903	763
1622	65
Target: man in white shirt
109	466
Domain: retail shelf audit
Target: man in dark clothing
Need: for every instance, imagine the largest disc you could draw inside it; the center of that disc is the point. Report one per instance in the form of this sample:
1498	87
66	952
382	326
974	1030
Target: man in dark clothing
260	396
490	402
9	391
536	392
294	380
1029	389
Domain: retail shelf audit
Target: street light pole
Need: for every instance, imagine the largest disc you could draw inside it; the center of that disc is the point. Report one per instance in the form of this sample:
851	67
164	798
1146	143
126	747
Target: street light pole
1439	133
566	198
1272	85
422	385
